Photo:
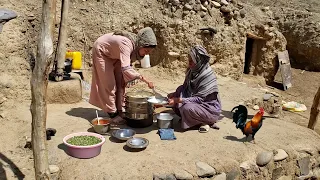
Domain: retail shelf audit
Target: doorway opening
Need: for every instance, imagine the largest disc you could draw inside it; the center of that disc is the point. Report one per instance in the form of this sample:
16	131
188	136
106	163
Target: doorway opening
254	54
248	55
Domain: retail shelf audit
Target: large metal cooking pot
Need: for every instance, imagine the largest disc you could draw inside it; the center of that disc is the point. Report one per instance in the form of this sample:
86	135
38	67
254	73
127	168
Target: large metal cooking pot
138	96
139	113
136	105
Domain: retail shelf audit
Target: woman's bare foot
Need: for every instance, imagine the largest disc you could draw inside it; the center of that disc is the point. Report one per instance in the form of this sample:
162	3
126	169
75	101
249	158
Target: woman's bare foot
214	126
204	128
118	120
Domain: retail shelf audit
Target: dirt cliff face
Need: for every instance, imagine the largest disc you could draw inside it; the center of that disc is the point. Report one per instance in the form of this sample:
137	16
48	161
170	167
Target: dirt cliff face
247	38
301	30
299	21
300	5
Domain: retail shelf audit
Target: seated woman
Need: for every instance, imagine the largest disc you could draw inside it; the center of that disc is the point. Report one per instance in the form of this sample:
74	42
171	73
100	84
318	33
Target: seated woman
197	101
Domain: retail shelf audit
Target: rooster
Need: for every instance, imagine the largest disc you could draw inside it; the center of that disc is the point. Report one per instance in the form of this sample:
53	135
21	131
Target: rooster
250	127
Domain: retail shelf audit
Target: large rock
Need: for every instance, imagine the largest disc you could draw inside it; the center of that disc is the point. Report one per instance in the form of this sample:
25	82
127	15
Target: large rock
304	164
225	9
54	169
65	92
175	2
222	176
243	13
173	54
216	4
280	155
285	178
205	170
188	7
233	174
316	173
157	176
182	174
224	2
276	173
247	165
264	158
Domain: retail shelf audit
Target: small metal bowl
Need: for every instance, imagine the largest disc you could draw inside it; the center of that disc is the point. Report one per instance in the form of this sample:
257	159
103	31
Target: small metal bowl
164	120
137	143
123	134
103	127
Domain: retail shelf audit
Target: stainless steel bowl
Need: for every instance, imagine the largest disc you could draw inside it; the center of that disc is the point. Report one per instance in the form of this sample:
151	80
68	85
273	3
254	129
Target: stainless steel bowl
103	127
164	120
123	134
137	143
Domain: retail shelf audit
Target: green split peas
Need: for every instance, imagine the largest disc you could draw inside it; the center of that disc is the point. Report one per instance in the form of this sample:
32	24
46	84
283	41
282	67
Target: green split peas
84	140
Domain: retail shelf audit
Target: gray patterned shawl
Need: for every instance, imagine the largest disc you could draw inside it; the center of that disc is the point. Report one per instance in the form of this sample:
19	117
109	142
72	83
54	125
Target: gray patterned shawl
200	80
145	37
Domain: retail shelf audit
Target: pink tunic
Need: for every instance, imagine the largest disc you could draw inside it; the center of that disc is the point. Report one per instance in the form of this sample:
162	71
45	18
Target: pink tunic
111	71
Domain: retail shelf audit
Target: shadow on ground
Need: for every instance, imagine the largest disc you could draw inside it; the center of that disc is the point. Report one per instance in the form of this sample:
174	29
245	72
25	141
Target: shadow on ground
6	162
233	138
85	113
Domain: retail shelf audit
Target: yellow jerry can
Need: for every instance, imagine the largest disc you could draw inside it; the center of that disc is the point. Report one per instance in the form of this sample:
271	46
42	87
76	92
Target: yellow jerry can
76	58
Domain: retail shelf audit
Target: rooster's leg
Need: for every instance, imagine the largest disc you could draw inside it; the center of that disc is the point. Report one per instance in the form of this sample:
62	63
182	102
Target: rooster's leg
244	142
253	141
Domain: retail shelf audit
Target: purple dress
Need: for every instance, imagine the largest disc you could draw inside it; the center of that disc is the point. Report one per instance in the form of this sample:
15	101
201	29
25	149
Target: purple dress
196	110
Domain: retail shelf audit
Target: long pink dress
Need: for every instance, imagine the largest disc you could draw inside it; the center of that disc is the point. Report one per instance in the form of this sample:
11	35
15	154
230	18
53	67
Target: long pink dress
111	71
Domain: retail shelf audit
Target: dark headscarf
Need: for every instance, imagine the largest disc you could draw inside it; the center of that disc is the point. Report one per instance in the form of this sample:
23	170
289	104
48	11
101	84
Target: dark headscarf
200	80
144	38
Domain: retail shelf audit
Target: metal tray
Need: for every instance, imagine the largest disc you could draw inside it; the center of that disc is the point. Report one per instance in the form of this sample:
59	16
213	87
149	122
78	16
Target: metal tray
137	143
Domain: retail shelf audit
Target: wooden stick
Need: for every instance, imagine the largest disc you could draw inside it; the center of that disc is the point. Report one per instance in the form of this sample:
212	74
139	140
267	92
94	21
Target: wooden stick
54	15
253	36
315	109
61	47
39	84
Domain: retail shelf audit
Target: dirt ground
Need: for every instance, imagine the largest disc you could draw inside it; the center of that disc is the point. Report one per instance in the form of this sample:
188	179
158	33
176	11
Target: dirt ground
223	149
305	85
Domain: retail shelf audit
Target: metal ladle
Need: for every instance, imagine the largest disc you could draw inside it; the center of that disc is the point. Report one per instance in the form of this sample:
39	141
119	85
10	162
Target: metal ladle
156	94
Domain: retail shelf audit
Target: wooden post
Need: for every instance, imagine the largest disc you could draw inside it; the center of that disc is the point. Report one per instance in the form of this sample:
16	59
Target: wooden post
54	16
315	109
61	47
39	82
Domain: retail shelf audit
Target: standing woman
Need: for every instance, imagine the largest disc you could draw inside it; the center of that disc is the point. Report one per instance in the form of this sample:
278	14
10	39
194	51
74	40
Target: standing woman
112	55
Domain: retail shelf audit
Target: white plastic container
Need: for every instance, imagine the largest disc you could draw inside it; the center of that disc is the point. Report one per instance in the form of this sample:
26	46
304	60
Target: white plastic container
145	62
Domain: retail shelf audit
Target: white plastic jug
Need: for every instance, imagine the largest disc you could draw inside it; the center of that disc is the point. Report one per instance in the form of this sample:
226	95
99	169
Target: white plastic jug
145	62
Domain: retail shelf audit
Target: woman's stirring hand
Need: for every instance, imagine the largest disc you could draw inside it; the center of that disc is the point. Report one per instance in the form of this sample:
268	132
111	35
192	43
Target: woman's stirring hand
150	84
